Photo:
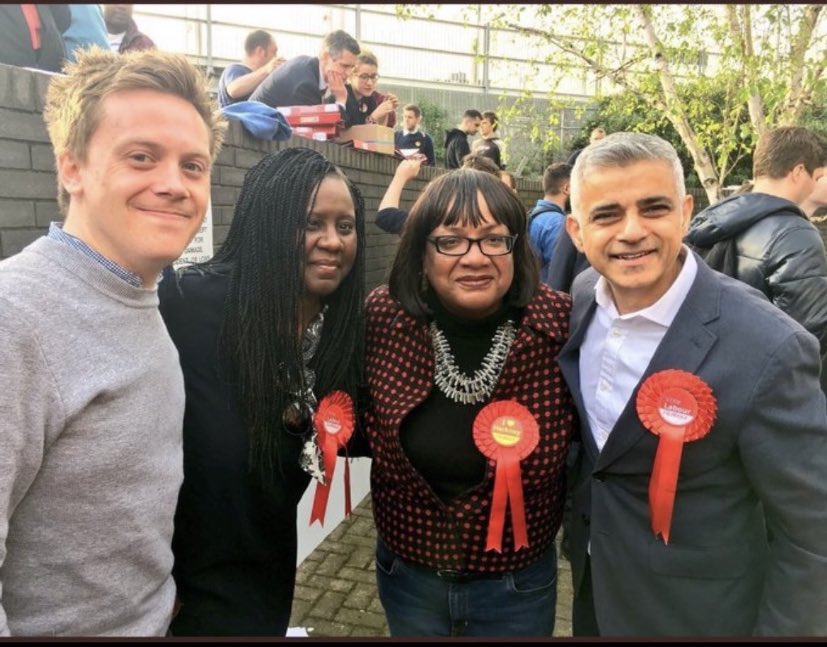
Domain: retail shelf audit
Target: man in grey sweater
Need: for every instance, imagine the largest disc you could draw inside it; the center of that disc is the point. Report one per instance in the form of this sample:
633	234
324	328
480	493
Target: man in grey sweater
91	392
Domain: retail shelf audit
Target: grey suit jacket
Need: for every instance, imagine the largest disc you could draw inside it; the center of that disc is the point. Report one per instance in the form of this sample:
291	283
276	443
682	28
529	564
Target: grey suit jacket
763	466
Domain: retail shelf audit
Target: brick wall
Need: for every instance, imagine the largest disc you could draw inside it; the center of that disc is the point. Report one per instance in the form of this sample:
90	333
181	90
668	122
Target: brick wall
28	187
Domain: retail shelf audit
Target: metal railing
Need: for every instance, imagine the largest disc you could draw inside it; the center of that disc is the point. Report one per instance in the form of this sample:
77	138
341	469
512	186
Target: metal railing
434	52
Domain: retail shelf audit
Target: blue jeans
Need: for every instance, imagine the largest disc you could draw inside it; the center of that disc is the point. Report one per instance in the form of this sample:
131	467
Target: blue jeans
418	602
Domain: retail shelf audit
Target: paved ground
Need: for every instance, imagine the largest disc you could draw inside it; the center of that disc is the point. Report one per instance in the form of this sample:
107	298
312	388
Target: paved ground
336	585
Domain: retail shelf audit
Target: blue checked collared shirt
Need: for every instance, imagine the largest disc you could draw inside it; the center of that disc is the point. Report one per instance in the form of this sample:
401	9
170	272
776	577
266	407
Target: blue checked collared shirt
56	233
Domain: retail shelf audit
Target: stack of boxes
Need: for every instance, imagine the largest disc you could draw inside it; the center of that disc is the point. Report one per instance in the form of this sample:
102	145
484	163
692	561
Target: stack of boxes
313	122
324	122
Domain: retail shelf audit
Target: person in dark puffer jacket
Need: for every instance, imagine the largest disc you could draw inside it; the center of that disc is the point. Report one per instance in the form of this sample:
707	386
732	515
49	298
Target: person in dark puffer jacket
765	240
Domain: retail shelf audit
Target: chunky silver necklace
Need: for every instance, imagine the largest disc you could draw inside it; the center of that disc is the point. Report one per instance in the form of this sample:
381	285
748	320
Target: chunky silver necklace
458	386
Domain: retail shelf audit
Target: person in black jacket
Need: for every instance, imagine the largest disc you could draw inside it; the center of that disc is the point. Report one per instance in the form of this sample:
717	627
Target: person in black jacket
264	331
32	35
765	240
456	139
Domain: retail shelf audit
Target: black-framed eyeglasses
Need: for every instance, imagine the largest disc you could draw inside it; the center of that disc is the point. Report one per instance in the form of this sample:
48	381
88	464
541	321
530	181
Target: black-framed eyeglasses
368	77
460	245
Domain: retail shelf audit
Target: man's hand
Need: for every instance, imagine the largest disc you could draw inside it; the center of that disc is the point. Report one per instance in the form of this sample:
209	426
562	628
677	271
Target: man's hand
275	63
385	108
408	168
336	85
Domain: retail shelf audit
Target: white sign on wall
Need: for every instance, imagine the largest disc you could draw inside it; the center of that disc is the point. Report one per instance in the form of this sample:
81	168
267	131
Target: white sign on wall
200	248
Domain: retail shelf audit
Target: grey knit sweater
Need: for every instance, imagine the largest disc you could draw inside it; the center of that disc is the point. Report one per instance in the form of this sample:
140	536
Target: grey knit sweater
91	410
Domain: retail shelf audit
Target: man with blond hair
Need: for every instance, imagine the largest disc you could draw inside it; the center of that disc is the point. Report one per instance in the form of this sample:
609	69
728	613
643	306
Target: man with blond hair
91	391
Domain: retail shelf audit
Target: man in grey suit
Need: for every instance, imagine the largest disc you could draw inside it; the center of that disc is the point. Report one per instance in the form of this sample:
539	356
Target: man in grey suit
648	305
310	80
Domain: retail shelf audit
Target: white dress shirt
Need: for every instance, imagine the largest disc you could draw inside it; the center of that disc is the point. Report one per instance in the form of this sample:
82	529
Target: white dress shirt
617	348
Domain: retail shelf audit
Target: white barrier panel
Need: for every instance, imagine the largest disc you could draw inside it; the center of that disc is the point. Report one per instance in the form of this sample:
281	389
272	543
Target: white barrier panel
311	536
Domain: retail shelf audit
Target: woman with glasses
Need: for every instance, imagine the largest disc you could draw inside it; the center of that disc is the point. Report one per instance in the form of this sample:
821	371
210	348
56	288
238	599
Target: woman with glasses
364	104
469	419
264	331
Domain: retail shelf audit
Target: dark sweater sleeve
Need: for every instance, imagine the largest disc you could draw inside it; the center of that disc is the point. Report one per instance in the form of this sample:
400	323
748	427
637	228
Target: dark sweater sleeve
391	219
428	149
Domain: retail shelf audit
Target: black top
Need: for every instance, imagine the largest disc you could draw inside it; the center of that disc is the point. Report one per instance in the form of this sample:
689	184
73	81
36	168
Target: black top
437	435
357	111
490	148
234	545
456	147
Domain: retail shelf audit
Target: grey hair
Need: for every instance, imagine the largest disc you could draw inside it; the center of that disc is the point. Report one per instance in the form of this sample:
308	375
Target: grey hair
336	42
624	149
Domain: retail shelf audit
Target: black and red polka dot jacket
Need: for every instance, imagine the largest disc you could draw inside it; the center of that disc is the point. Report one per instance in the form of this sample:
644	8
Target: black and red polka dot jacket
410	518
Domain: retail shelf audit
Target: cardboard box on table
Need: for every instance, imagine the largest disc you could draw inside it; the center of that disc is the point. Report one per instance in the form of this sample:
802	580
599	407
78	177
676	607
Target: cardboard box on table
370	137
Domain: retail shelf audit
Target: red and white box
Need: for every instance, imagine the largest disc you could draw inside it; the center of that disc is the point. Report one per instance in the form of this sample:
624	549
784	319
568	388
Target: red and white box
374	147
322	114
319	133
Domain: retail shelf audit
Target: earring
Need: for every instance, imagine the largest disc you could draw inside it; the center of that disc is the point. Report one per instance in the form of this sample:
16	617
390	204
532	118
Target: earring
423	283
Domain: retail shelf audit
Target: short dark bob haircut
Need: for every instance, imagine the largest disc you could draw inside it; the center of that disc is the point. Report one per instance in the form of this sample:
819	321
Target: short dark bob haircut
452	199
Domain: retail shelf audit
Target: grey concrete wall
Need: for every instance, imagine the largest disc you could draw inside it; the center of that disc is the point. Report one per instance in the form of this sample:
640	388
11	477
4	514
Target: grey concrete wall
28	186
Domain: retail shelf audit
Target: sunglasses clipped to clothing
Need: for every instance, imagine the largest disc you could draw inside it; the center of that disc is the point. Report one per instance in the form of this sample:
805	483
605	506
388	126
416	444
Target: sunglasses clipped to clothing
460	245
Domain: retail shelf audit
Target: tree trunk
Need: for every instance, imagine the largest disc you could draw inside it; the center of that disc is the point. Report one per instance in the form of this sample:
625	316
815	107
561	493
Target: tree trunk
799	92
741	33
676	114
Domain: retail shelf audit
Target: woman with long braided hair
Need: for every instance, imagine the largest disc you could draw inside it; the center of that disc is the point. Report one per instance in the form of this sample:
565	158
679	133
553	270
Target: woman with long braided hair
264	330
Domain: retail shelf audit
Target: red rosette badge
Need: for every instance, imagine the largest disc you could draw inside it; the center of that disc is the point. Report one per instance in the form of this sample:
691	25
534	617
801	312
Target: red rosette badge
334	421
506	432
678	407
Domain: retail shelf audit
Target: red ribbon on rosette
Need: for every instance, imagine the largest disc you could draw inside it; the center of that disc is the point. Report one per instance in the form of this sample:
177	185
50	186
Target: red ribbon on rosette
678	407
334	422
506	432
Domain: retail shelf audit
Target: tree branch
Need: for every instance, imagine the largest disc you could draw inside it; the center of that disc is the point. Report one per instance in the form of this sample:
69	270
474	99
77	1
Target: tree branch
617	75
675	111
741	33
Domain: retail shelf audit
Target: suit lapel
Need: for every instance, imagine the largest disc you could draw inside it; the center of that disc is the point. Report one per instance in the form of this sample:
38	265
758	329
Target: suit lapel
684	347
569	360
